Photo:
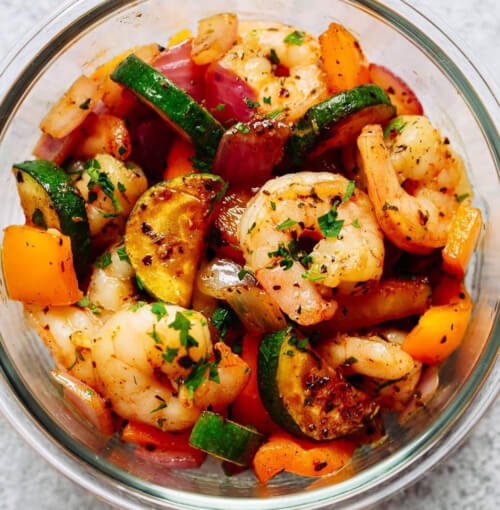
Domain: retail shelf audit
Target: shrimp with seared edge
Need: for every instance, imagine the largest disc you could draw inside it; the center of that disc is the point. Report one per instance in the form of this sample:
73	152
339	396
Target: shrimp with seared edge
317	205
111	282
110	189
412	181
392	374
68	332
145	356
262	47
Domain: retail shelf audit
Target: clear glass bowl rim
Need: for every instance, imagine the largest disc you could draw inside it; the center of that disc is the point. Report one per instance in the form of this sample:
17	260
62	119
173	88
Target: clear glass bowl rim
366	488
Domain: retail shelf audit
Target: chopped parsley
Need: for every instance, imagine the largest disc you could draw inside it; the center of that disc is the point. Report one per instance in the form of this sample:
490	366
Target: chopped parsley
89	392
290	254
462	197
329	225
356	224
313	277
220	107
267	100
273	115
159	310
296	37
252	226
242	128
136	306
121	187
183	325
286	224
201	165
162	405
139	283
395	127
122	254
197	376
349	191
155	336
273	205
273	57
103	261
221	319
243	272
170	354
38	218
250	103
102	180
84	302
122	150
350	360
85	105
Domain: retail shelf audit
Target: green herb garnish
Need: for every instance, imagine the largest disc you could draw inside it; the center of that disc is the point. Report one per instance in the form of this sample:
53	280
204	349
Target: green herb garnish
159	310
103	261
170	354
286	224
273	57
296	37
183	325
250	103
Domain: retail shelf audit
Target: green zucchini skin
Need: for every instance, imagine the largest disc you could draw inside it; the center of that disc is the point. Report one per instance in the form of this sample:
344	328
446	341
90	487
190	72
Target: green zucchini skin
172	104
320	118
267	368
59	202
225	439
304	395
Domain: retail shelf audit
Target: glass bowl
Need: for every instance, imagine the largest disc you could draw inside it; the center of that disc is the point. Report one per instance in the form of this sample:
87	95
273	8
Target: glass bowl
457	99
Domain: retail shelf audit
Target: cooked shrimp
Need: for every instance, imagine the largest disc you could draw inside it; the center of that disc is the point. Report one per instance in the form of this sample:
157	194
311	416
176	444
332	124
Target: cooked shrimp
111	284
417	222
292	206
262	46
67	332
110	199
143	355
371	356
420	154
233	374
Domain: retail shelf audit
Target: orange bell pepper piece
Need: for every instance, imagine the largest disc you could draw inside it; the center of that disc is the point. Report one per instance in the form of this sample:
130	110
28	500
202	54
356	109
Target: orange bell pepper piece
439	331
462	239
180	36
38	266
343	60
285	453
248	408
179	159
152	438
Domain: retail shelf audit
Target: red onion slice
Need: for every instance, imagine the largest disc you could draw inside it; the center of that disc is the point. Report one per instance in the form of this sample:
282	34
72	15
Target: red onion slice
176	64
227	95
170	458
248	153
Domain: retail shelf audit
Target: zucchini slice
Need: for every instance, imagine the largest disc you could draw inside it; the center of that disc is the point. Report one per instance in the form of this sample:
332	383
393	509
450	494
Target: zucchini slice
50	200
176	107
337	120
225	439
304	395
165	234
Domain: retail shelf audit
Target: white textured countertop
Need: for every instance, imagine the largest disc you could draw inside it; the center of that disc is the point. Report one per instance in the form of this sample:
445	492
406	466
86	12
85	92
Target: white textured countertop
468	479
